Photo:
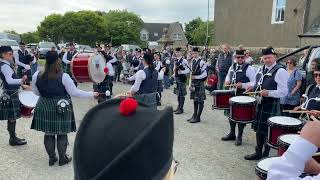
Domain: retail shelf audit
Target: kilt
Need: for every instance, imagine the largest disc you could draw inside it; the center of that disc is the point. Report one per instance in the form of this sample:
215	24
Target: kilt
12	110
148	99
102	88
199	94
47	119
160	86
269	107
180	89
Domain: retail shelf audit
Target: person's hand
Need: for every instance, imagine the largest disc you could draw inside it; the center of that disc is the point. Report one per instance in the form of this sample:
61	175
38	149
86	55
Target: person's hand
24	78
297	108
249	89
264	93
192	77
96	94
27	67
27	87
239	85
312	167
164	69
314	113
311	132
227	83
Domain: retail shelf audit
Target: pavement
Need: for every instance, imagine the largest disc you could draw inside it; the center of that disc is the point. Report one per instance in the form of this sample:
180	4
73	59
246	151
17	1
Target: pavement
198	147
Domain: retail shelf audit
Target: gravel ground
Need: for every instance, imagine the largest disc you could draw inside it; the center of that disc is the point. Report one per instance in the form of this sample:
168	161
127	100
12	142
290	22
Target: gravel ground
198	148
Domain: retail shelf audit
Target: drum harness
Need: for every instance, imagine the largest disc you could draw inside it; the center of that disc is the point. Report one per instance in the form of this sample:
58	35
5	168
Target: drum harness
305	105
259	84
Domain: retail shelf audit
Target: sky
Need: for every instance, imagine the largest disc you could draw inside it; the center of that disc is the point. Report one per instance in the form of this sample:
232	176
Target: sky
25	15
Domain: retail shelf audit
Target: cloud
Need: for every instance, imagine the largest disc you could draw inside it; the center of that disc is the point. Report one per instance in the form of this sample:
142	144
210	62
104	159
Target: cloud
25	15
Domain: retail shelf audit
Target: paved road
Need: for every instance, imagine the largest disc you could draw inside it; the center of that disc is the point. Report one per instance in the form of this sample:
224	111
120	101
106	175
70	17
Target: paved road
198	148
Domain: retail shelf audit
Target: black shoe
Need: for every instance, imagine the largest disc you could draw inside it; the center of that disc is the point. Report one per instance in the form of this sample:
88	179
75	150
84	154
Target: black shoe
195	120
64	160
229	137
17	141
53	161
179	111
193	117
158	103
238	142
254	156
176	110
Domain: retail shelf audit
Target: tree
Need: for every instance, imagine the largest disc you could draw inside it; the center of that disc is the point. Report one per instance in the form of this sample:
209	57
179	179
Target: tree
191	27
11	32
122	27
199	35
51	28
30	37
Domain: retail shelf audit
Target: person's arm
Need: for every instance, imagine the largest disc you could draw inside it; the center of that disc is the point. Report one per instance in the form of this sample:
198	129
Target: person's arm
186	67
298	79
113	60
227	80
203	70
111	70
251	74
8	72
292	163
132	78
161	75
141	75
33	83
281	78
72	90
16	59
64	59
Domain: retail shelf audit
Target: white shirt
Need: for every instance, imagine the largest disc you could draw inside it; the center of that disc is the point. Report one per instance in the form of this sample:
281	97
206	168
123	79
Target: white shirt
185	64
64	59
7	72
158	65
139	77
16	59
250	73
292	163
68	83
203	66
281	79
110	68
249	60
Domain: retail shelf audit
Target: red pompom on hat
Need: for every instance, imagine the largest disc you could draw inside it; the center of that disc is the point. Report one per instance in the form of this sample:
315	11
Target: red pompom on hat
106	70
128	106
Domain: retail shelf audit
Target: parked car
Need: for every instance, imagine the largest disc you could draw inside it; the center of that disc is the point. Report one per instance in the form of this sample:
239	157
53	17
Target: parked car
8	42
128	47
84	48
44	47
10	36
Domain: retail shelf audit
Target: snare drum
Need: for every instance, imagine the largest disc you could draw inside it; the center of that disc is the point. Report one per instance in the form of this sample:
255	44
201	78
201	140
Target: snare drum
88	67
280	125
221	99
263	166
284	142
242	109
28	100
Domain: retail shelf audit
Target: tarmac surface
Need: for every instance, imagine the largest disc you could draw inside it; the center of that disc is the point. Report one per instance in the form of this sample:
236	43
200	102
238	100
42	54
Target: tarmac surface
198	147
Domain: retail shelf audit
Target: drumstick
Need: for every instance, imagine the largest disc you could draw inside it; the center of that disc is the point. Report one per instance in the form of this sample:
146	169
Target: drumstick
258	92
230	85
314	118
295	112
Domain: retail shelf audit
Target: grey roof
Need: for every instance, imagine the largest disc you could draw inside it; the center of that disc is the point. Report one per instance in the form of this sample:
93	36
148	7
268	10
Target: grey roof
314	29
155	28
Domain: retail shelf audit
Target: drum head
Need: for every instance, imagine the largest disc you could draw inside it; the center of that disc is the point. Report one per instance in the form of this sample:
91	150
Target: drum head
28	98
96	66
243	99
265	164
287	121
288	138
223	92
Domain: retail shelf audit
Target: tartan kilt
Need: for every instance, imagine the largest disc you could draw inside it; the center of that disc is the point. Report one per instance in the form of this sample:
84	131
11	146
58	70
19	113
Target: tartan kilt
268	107
199	94
13	108
148	99
160	86
180	89
102	88
47	119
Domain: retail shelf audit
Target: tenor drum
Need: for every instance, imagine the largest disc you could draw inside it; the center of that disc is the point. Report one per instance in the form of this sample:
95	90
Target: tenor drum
88	67
242	109
221	99
28	102
263	166
280	125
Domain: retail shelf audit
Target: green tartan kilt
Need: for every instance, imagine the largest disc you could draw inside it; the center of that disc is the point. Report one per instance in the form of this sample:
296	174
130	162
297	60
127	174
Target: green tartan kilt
47	119
180	89
148	99
199	94
268	107
13	108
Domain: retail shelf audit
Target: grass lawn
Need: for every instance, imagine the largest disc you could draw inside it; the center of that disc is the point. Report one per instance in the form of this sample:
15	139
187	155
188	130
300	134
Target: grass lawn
41	62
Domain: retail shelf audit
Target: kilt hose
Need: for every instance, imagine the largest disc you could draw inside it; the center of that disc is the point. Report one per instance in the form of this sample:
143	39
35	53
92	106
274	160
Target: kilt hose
12	109
199	93
48	120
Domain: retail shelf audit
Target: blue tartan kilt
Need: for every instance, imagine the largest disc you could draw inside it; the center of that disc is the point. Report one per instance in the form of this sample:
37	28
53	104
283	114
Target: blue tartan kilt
268	107
199	94
148	99
180	89
160	86
47	119
12	109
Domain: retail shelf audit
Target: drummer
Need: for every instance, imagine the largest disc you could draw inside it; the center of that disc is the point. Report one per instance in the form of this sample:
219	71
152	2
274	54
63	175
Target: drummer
146	82
104	87
136	60
67	58
53	113
21	60
271	85
10	86
241	75
158	66
114	62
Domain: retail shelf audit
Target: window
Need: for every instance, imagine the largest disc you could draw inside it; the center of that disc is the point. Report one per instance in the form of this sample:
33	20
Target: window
144	37
278	10
177	37
156	34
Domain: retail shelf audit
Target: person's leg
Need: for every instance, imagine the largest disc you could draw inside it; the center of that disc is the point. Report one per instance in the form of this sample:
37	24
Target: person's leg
180	105
14	140
195	111
50	145
62	144
260	140
199	112
232	133
240	133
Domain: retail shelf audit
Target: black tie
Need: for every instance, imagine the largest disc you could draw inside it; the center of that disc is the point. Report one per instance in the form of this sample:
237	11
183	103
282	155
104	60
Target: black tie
238	67
265	71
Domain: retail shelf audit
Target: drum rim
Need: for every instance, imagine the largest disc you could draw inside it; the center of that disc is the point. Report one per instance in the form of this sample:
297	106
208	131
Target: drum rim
283	143
21	101
269	122
234	102
223	91
242	122
258	169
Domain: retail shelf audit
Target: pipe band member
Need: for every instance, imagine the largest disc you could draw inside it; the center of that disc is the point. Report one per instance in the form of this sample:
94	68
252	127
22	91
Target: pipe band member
10	104
136	60
67	58
271	81
242	75
146	82
53	113
198	77
158	66
181	69
23	60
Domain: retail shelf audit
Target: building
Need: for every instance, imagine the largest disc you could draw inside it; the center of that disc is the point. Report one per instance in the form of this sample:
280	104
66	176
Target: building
152	32
257	23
